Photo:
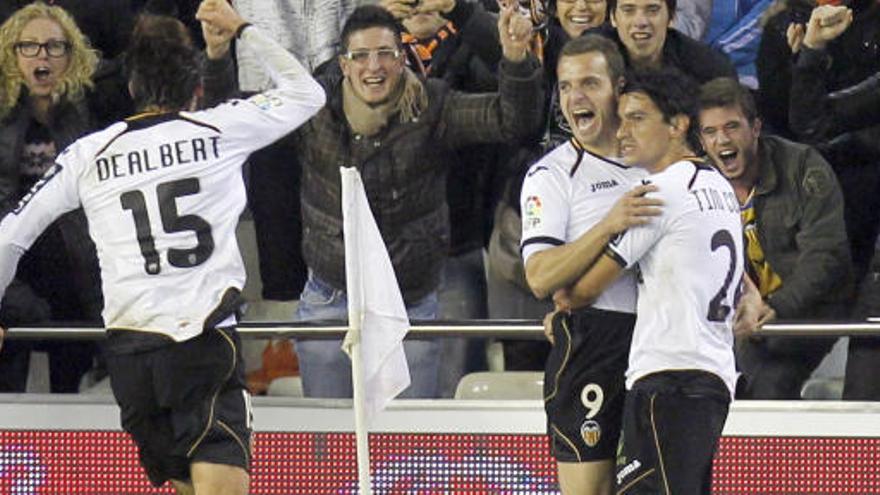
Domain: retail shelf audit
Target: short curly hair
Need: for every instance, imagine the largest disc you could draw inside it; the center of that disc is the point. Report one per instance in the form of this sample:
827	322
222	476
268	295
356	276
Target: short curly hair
83	59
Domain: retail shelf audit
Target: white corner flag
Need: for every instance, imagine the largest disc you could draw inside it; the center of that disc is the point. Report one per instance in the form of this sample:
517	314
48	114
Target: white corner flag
377	317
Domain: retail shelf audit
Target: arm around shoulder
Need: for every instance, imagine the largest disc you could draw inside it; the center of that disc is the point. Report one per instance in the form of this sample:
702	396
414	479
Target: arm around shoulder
599	277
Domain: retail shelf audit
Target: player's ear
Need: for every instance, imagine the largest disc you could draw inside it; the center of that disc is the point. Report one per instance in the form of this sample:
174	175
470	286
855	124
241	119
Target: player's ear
680	124
756	126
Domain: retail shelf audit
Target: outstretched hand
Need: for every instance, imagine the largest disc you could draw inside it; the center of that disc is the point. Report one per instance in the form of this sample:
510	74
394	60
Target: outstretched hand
514	31
826	23
219	25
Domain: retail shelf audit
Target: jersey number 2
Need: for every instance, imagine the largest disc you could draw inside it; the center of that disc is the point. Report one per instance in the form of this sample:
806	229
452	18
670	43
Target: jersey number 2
167	194
718	311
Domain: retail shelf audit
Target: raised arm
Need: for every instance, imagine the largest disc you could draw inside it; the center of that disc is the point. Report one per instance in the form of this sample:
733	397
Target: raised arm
815	114
517	110
271	114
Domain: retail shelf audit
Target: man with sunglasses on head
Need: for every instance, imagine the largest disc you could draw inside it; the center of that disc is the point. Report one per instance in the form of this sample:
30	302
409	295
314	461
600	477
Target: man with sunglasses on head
398	131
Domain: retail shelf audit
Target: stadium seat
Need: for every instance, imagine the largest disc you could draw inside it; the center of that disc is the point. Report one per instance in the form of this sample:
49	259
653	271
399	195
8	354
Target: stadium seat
824	388
286	386
495	385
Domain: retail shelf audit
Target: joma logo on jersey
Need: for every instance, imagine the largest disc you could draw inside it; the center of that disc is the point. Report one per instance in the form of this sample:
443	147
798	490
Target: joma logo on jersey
603	184
628	470
52	172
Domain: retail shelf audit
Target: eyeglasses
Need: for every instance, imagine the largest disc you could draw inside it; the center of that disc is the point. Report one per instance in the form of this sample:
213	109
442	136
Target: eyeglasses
383	55
31	49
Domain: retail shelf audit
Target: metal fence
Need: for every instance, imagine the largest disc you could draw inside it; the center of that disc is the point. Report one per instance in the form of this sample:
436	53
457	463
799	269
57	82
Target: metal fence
499	329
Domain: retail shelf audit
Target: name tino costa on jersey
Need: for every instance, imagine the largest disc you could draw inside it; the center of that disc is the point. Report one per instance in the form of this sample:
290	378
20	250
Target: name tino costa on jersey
567	193
691	261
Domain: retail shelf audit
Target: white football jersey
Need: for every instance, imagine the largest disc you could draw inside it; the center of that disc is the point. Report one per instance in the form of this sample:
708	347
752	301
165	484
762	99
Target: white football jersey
691	263
564	195
162	194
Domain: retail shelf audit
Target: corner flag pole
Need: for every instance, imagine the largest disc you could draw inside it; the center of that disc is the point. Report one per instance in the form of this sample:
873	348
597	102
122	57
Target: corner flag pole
362	435
355	294
377	318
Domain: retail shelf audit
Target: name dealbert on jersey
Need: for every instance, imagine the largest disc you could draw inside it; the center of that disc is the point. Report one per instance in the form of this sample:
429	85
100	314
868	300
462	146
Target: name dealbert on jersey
149	159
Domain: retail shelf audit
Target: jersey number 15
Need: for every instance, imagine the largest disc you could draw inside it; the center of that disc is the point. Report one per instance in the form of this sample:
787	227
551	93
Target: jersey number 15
167	194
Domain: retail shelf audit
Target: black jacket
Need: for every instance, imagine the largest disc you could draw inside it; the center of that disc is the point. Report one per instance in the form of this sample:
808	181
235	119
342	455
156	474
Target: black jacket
695	59
816	114
854	56
23	303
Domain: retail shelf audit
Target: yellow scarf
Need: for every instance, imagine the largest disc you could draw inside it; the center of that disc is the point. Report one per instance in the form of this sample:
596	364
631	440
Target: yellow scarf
759	268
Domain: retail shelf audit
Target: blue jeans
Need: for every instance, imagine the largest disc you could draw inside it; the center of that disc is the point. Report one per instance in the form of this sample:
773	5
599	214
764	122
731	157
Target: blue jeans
326	370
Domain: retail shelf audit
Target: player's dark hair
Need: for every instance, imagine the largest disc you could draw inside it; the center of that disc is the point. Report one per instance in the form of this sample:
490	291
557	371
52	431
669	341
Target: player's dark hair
163	67
673	93
670	7
728	92
590	42
366	17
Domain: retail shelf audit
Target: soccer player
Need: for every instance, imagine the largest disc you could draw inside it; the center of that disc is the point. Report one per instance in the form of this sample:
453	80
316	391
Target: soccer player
681	372
162	192
568	219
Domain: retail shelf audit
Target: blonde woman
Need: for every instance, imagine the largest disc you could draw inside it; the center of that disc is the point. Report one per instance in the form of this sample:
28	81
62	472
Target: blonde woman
44	58
47	68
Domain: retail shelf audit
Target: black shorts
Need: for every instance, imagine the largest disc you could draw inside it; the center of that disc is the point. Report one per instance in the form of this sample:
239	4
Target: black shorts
584	383
671	425
185	402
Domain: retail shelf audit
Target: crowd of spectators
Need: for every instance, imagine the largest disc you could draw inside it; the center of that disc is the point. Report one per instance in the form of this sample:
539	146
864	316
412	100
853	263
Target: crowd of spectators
443	128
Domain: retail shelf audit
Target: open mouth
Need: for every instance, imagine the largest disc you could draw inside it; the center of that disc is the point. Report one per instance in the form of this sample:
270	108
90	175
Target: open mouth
581	21
42	74
727	157
373	82
641	37
583	118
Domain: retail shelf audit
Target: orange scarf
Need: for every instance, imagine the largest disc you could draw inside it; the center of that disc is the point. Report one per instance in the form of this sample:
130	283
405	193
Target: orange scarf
422	51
